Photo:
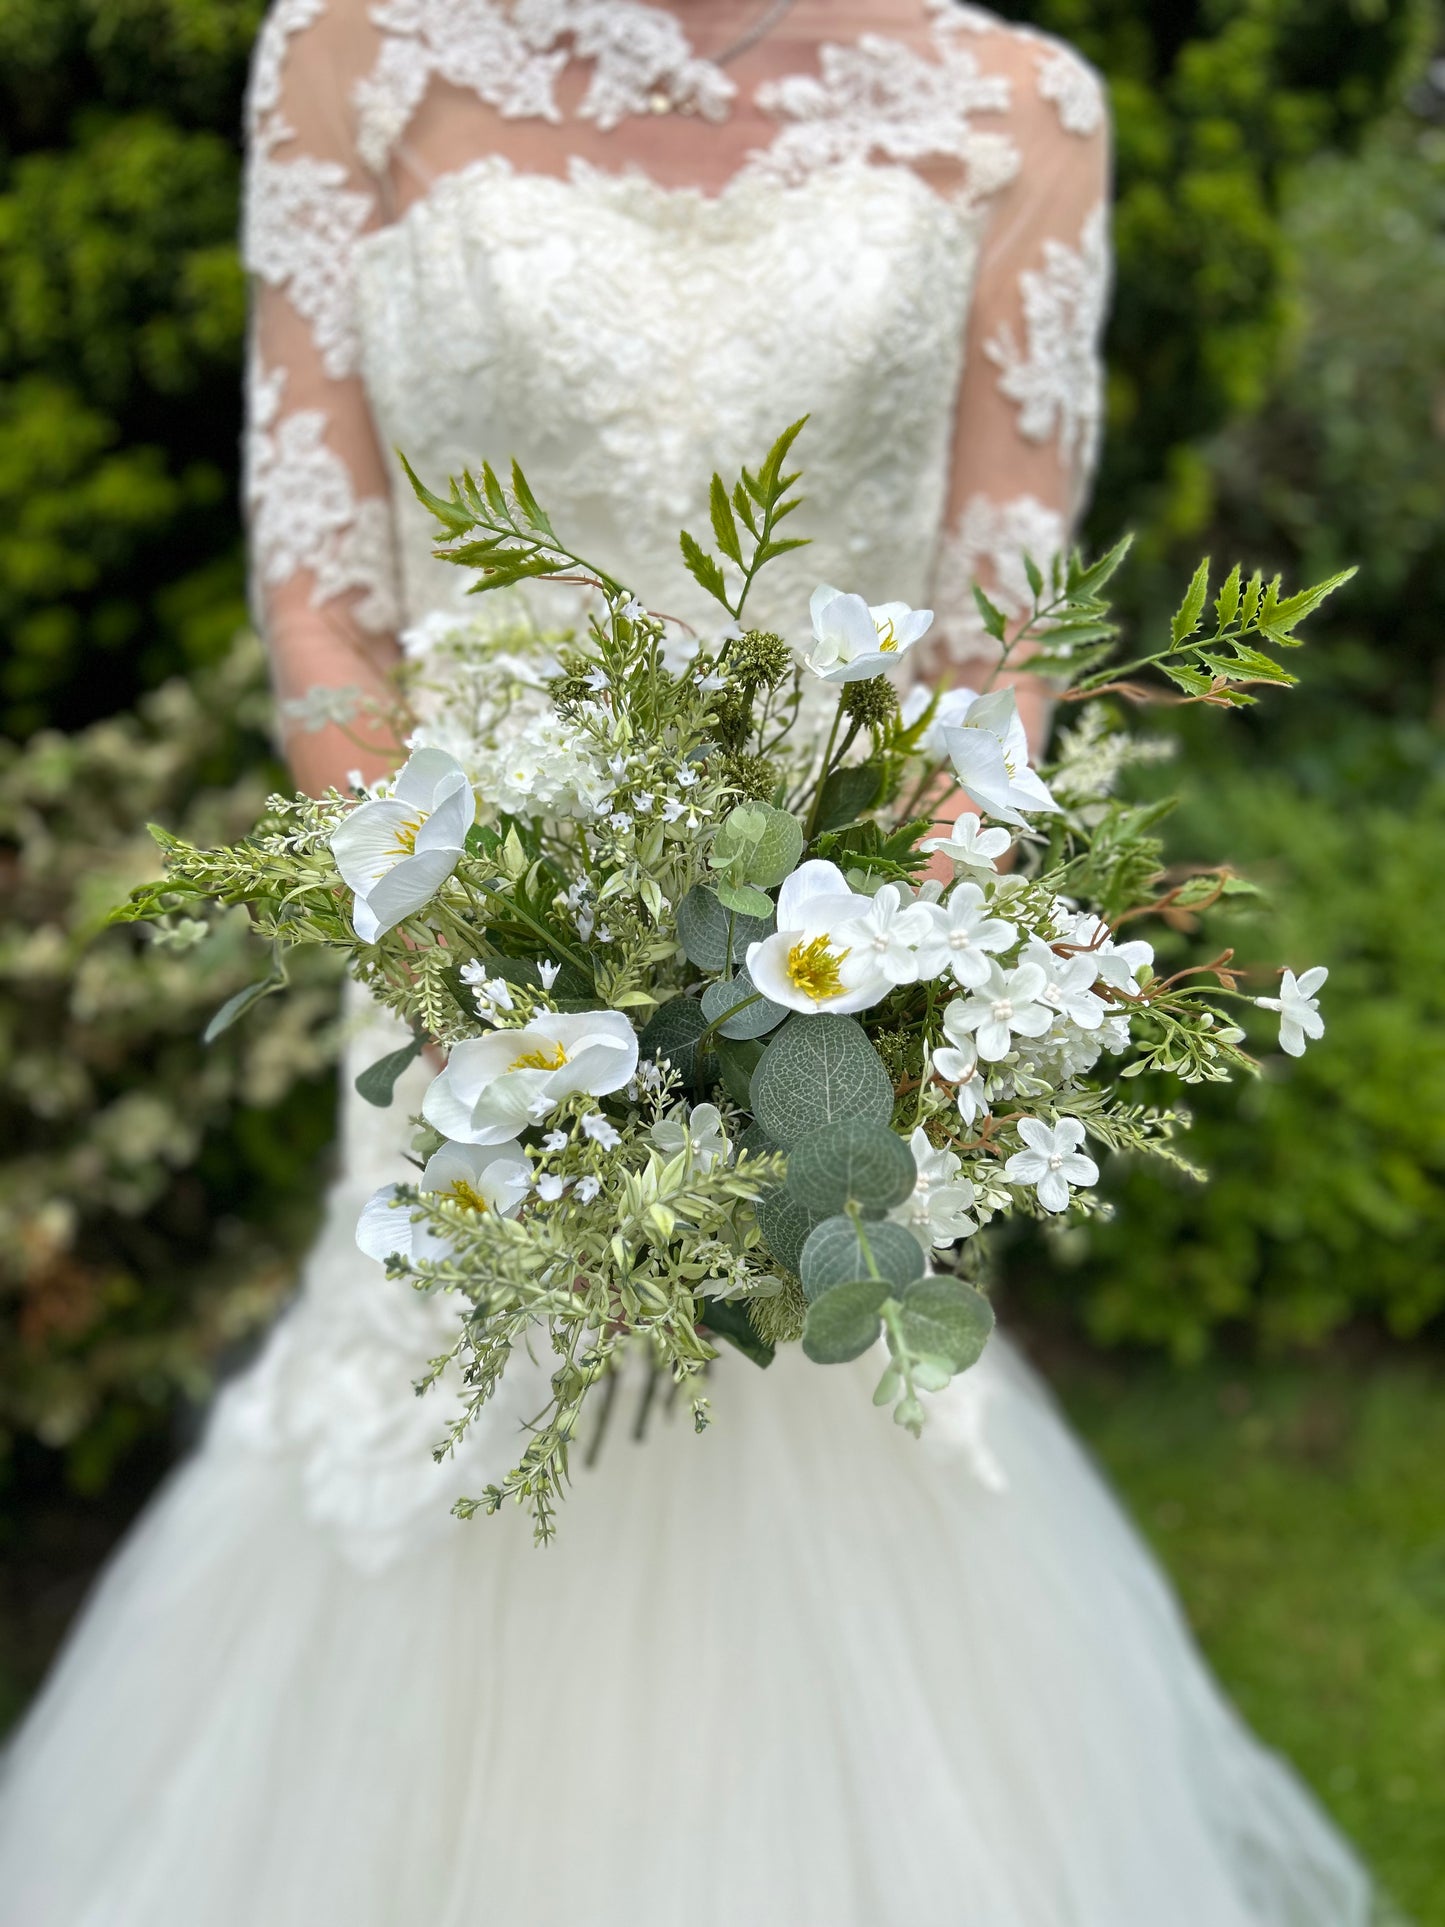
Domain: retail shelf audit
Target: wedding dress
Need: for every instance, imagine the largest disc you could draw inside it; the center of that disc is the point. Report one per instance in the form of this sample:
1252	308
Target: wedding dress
800	1671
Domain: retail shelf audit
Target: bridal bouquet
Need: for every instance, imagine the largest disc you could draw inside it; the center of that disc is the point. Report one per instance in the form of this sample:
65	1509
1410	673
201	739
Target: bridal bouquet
721	1064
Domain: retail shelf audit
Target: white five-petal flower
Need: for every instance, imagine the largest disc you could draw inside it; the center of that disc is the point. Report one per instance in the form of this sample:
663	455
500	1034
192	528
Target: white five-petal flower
702	1129
1298	1007
970	845
885	939
1051	1160
990	756
852	641
938	1211
963	935
397	851
1004	1006
1069	983
495	1086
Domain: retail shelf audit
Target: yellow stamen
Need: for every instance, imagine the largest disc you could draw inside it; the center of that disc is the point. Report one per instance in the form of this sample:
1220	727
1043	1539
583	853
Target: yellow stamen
405	843
463	1193
539	1060
888	637
813	969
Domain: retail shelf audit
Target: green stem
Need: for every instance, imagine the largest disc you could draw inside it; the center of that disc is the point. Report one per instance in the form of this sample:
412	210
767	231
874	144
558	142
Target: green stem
827	765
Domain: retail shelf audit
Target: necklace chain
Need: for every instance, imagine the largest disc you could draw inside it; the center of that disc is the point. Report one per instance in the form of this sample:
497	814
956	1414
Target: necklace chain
663	103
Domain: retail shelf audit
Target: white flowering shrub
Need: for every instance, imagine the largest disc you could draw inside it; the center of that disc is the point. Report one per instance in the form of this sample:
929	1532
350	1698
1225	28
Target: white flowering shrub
722	1062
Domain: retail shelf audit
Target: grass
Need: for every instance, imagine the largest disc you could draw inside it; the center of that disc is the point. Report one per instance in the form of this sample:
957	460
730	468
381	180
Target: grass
1301	1512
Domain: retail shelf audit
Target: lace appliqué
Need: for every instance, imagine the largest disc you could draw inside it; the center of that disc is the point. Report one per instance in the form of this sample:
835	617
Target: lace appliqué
1056	380
510	58
301	220
304	513
1075	90
877	96
987	545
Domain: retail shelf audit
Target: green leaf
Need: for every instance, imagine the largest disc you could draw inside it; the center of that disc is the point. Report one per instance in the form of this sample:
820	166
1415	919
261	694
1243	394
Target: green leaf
756	843
1284	616
994	621
1226	603
1035	578
702	929
1088	582
672	1032
753	1019
785	1225
946	1318
755	1143
737	1060
724	528
704	570
728	1319
816	1071
1254	589
237	1006
451	514
756	906
1192	681
1186	618
771	482
847	794
852	1162
844	1322
377	1083
527	502
841	1248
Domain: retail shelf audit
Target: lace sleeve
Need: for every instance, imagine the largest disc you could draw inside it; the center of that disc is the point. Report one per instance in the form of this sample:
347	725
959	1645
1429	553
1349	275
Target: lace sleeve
322	566
1030	401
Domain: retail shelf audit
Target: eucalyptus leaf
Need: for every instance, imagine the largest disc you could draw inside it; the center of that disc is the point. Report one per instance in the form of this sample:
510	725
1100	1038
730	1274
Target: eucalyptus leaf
737	1059
237	1006
840	1248
946	1318
755	1143
844	1322
702	929
853	1162
752	1019
377	1083
753	904
786	1225
672	1032
816	1071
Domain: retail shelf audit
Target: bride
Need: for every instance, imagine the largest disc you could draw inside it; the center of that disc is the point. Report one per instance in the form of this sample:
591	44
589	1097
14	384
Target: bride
802	1672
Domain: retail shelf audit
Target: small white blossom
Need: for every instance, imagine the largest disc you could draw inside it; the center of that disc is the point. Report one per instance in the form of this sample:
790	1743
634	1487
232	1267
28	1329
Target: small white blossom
620	821
671	809
1068	989
886	938
548	973
596	679
555	1141
549	1187
643	801
938	1211
702	1130
970	845
1298	1007
1002	1007
686	777
1052	1160
587	1189
960	1067
962	936
601	1130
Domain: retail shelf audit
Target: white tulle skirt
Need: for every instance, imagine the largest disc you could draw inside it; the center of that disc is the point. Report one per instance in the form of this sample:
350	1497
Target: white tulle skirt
801	1671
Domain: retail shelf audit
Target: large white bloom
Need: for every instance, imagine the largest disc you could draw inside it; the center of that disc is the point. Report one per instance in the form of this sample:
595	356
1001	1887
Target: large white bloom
990	756
950	706
852	641
1002	1007
492	1177
938	1211
1299	1011
963	934
397	851
886	937
1052	1160
495	1086
806	964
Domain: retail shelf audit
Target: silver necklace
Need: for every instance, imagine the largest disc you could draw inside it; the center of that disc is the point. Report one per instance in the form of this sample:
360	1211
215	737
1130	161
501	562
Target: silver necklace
663	103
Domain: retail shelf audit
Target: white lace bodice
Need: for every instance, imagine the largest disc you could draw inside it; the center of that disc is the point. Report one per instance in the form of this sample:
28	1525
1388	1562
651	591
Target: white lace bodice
471	235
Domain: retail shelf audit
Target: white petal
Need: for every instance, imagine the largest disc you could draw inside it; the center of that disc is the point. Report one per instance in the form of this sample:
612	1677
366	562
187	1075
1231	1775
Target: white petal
423	774
384	1228
409	887
1054	1191
367	844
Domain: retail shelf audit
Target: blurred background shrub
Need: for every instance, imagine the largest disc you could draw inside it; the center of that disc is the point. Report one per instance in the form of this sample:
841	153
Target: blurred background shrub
1276	390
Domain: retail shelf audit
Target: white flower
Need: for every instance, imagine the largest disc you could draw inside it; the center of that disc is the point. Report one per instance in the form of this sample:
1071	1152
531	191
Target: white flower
963	934
492	995
702	1130
1052	1162
886	937
671	809
396	852
492	1177
631	609
960	1067
990	756
555	1141
937	1212
587	1189
601	1130
548	973
852	641
495	1086
950	708
970	845
805	965
1299	1011
1068	989
549	1187
1003	1006
1118	964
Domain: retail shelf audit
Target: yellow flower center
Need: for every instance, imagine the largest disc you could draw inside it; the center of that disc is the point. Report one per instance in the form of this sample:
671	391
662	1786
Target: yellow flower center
540	1059
463	1193
405	840
888	637
813	969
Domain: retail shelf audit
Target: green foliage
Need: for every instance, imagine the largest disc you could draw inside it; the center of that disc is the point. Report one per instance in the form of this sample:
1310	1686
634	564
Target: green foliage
121	322
152	1191
817	1071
